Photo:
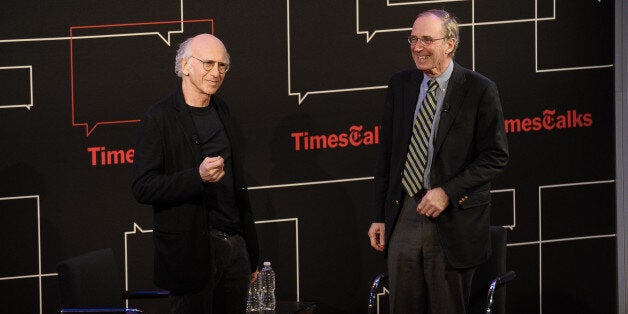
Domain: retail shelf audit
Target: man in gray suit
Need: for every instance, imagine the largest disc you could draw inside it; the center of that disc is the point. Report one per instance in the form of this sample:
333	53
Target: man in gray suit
443	141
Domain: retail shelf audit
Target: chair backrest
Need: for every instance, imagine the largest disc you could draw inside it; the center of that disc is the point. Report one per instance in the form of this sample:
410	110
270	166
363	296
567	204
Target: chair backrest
485	273
90	280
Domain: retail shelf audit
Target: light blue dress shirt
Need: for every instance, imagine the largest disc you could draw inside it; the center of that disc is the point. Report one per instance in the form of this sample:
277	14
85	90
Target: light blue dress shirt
443	81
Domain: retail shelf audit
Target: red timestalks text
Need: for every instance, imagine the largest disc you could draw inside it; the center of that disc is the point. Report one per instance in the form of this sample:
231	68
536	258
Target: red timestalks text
549	121
357	136
100	156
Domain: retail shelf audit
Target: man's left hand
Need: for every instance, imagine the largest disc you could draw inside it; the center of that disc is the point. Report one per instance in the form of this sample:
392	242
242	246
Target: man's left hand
433	203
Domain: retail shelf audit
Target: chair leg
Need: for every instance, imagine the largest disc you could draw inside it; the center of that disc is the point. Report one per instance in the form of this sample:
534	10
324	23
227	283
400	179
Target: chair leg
373	293
496	283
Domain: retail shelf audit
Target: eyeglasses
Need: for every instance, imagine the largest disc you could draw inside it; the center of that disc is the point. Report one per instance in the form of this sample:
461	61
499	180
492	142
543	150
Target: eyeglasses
209	65
425	41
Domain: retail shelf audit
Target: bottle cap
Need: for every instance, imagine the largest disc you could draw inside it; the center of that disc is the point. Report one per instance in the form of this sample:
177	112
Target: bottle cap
266	263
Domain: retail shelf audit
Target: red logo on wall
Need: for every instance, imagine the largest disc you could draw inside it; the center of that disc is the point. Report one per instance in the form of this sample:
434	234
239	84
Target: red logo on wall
550	121
357	136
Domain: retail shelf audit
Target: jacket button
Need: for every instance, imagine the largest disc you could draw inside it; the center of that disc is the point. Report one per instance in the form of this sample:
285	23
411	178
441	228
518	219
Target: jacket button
396	202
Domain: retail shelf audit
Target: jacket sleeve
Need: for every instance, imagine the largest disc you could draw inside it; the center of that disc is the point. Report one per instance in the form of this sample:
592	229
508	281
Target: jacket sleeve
155	181
490	148
383	164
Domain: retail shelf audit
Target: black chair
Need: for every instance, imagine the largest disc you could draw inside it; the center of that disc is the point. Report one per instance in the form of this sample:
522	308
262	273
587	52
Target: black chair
491	274
378	296
485	295
90	283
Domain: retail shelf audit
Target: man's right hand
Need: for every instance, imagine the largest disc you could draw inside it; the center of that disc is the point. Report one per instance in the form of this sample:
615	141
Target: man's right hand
212	169
377	234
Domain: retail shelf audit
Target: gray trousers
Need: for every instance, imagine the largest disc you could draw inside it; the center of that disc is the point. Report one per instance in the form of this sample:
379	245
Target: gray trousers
419	278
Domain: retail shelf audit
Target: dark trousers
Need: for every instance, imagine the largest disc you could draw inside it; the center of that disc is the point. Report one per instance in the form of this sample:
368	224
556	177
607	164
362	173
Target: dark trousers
419	278
228	291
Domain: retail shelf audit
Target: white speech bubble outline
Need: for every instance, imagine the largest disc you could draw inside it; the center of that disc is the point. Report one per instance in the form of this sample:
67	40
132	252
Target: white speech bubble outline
137	229
536	47
166	40
370	34
541	241
514	206
287	185
39	275
30	75
301	96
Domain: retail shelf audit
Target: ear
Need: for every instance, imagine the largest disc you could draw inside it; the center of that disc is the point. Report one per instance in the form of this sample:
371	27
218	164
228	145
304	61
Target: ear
185	66
451	44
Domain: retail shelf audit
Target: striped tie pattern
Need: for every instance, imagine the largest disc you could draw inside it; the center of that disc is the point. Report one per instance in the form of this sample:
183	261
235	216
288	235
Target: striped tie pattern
416	160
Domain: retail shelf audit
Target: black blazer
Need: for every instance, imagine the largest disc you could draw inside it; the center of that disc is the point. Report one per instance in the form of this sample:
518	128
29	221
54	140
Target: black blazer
165	175
470	149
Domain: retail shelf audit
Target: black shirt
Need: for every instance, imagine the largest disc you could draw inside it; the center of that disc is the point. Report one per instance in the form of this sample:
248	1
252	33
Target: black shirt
220	197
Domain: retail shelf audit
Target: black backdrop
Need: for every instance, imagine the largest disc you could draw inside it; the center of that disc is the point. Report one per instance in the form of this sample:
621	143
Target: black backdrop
306	87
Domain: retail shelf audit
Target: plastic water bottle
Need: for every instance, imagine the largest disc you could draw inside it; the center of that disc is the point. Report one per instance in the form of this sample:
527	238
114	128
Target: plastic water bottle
267	296
253	299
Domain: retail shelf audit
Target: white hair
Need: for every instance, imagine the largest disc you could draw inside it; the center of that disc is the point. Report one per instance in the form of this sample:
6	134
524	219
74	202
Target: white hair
182	53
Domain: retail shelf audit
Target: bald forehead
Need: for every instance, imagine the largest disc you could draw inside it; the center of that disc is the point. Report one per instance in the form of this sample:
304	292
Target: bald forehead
209	46
429	21
430	18
207	40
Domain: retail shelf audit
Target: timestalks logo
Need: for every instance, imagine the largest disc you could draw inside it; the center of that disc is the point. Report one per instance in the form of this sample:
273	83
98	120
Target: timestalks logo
101	156
550	121
357	136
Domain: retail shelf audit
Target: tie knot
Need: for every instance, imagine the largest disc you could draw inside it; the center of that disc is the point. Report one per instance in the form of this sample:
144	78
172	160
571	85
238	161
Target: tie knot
432	85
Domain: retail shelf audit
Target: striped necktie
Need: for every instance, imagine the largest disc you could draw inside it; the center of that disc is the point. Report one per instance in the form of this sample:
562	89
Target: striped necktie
416	160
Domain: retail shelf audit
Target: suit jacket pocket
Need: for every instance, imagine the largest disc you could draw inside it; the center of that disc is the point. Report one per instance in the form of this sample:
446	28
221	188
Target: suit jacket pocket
476	199
168	243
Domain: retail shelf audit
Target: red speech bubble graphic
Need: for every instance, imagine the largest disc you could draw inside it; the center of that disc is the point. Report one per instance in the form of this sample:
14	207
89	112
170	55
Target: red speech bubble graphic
116	108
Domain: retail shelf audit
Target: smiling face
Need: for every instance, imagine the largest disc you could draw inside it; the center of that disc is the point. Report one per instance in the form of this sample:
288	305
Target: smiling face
432	58
199	84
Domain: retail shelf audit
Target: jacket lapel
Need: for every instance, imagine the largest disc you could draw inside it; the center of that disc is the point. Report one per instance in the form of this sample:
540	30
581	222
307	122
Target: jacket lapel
456	91
410	98
188	127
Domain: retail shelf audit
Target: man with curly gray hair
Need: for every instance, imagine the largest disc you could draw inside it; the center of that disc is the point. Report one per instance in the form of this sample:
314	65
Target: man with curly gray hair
188	166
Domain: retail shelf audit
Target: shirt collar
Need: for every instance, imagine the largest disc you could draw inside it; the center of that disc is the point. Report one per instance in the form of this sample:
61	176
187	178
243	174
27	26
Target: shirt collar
442	79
